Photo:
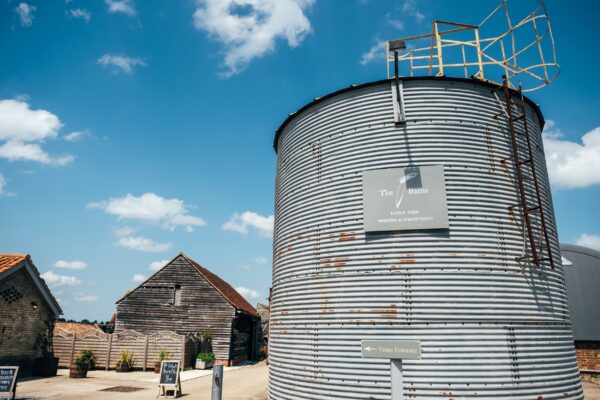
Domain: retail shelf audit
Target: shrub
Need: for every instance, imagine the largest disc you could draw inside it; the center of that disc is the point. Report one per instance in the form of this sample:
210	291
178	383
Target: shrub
127	357
163	355
206	357
86	359
206	336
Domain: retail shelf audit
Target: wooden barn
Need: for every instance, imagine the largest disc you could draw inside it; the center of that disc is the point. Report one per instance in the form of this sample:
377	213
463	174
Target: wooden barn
185	297
27	312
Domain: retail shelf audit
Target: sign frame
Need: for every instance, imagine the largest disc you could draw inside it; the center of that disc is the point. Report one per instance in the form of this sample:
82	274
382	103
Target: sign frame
164	387
11	394
395	350
411	198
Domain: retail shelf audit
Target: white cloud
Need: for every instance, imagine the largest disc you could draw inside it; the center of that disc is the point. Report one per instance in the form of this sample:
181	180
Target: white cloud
240	222
249	28
591	241
54	279
121	62
20	123
570	164
375	52
121	6
156	265
78	136
261	260
85	297
141	243
80	13
3	192
138	278
18	151
125	231
75	265
149	207
396	23
409	8
248	293
22	130
25	12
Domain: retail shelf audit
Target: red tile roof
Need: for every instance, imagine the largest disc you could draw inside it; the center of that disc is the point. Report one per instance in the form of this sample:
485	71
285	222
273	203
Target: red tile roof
230	294
7	261
76	327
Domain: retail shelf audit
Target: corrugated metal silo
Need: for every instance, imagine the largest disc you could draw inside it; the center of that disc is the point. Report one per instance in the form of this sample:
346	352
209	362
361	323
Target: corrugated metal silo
490	325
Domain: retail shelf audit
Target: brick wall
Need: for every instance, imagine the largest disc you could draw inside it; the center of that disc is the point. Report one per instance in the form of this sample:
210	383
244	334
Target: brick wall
588	355
21	325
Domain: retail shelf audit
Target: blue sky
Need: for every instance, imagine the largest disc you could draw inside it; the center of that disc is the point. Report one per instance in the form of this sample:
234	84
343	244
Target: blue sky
131	131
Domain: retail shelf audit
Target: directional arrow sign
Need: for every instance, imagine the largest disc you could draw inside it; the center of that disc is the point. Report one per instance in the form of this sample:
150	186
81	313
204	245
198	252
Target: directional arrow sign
392	349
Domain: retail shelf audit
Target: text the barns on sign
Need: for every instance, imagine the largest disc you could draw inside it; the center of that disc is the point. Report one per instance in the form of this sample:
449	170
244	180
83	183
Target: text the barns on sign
401	199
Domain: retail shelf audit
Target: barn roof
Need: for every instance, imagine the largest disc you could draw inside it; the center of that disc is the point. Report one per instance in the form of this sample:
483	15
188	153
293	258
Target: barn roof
10	263
7	261
228	292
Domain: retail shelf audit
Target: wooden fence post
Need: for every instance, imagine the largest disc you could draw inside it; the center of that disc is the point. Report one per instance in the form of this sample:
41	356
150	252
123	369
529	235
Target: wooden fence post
146	353
72	349
182	358
108	350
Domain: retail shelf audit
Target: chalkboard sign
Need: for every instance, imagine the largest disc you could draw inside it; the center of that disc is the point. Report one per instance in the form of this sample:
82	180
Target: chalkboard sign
8	381
169	370
169	378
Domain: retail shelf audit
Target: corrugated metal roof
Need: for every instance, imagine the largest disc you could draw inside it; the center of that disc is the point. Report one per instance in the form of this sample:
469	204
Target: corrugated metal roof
230	294
7	261
583	283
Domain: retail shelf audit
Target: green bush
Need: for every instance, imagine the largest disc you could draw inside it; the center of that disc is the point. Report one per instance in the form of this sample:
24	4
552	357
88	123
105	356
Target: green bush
127	357
206	357
163	355
206	336
86	359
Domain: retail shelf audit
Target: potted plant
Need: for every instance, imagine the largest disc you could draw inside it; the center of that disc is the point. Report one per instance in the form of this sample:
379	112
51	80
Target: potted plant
206	342
162	355
82	364
205	360
126	362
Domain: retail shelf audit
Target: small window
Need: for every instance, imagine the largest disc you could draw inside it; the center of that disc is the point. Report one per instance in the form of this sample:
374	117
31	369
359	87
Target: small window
177	295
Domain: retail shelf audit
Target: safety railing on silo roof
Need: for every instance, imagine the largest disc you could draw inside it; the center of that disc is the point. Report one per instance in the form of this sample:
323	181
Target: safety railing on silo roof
524	52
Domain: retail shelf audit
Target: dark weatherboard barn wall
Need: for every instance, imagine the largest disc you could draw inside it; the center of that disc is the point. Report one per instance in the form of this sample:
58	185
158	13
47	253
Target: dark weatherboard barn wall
186	298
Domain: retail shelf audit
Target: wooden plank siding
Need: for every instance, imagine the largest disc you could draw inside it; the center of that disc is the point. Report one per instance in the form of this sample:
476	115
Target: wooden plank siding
151	307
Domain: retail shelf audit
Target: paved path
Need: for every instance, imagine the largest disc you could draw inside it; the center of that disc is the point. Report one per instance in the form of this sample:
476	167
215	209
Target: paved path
246	383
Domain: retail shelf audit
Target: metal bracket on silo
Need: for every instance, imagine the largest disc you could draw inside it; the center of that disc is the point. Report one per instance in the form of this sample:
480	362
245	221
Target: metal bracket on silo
398	100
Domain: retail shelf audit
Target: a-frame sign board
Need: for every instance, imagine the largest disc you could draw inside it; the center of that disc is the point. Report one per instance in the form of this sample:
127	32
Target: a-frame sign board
169	378
8	382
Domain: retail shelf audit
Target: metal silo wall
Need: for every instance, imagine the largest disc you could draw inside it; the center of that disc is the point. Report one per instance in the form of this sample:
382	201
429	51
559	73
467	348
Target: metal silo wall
489	327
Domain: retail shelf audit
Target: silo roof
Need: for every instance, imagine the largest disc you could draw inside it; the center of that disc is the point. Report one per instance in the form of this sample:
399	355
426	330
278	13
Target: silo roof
350	88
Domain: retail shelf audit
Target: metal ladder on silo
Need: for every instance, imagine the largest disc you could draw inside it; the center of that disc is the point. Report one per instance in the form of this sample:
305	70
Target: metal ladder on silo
531	203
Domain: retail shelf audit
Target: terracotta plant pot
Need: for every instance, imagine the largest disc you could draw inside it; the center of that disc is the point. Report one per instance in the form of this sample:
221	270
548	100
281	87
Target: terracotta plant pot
77	371
122	367
157	367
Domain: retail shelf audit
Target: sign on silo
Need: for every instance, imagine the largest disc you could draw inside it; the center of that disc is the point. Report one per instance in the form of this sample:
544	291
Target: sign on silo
400	199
